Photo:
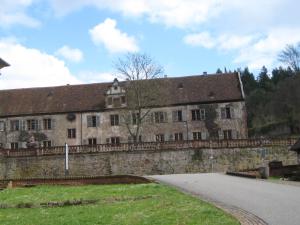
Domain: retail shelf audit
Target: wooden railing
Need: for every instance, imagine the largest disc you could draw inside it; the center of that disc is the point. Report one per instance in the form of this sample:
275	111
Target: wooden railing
149	146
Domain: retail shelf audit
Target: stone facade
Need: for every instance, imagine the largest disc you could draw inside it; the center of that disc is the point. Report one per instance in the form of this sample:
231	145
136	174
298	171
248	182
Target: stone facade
195	109
144	162
102	131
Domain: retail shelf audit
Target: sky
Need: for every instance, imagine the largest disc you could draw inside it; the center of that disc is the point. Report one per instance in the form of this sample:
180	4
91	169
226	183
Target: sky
59	42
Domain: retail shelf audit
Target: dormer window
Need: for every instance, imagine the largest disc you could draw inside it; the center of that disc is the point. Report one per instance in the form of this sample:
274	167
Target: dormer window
115	96
211	95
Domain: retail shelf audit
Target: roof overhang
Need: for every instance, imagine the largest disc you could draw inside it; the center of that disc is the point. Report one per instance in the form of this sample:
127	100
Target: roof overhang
3	63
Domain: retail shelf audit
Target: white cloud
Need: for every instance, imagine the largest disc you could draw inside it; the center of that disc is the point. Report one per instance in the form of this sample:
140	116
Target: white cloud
14	12
203	39
31	68
114	40
71	54
188	13
96	77
253	50
176	13
222	42
264	51
230	42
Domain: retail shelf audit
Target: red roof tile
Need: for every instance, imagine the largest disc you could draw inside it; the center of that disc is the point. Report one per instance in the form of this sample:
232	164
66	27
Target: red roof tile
91	97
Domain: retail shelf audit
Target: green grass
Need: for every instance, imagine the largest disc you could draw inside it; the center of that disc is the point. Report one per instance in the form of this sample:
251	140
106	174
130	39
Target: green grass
274	178
152	204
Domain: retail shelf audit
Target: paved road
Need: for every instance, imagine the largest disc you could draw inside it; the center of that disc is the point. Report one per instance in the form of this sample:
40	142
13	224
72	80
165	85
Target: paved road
277	204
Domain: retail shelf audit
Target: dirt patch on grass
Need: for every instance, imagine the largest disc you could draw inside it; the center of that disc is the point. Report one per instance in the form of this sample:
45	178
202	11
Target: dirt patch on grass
74	202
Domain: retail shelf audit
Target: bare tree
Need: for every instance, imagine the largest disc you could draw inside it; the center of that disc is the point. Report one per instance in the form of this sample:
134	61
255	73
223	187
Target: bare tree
291	56
142	89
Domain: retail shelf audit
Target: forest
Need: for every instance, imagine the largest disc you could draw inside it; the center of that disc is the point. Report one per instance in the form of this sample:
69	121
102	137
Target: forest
273	97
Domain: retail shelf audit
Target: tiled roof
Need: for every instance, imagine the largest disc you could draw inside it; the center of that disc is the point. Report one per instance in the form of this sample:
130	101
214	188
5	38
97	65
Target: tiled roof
91	97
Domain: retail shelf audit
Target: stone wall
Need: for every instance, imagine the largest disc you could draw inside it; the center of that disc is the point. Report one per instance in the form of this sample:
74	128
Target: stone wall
104	130
144	162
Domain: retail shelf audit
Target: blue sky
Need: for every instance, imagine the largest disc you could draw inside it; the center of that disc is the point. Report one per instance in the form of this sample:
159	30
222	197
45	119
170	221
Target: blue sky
58	42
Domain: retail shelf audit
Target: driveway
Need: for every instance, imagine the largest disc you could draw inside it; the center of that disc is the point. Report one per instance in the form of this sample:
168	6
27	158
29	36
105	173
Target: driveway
277	204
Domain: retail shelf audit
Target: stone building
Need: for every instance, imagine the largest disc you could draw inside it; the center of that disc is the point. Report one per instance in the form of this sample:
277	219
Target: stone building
193	108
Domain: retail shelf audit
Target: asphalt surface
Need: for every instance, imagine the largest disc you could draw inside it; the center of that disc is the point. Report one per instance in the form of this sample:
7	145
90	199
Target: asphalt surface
277	204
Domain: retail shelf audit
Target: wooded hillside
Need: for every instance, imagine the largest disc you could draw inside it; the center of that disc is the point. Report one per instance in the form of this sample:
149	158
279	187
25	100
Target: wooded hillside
273	99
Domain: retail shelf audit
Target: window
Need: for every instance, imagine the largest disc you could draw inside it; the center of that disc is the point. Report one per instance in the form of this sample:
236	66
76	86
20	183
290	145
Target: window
114	120
116	102
197	136
23	124
160	117
227	134
47	144
32	124
109	101
92	141
133	139
72	133
93	121
226	113
123	100
47	124
14	145
2	126
14	125
135	117
180	86
198	114
177	116
149	118
160	137
115	140
178	136
140	138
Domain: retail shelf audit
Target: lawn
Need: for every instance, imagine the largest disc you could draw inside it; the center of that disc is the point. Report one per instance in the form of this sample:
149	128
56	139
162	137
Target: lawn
151	204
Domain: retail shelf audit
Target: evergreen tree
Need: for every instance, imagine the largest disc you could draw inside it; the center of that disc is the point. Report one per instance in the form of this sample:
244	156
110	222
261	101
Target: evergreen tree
286	103
248	80
280	74
219	71
264	81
